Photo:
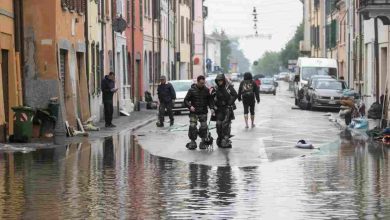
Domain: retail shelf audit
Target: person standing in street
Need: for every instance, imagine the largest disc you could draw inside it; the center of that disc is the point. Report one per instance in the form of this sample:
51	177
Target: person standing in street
224	96
249	93
166	96
198	100
108	89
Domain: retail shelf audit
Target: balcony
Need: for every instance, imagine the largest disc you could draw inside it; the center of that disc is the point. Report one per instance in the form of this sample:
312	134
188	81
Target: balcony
376	9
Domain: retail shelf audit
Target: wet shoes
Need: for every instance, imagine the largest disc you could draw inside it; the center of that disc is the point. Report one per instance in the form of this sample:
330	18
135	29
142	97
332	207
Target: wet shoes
110	126
202	145
191	145
160	125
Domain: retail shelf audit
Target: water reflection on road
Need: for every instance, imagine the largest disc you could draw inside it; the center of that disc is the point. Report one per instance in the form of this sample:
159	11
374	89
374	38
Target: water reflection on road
115	178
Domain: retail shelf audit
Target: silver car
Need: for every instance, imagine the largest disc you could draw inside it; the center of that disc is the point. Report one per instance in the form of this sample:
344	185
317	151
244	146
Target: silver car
326	93
181	87
268	86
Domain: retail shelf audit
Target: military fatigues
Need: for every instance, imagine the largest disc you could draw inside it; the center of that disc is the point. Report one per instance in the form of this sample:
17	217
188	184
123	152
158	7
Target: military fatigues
166	95
224	97
201	100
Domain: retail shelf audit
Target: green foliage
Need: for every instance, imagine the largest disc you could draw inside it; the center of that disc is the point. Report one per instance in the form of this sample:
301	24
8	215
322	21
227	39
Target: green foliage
289	52
268	64
238	55
225	51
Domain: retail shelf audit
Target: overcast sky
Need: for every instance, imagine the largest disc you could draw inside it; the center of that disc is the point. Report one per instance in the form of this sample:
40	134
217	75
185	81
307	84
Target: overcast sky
277	17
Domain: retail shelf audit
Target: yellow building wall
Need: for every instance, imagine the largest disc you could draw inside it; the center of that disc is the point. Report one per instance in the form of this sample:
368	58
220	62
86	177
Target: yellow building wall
14	77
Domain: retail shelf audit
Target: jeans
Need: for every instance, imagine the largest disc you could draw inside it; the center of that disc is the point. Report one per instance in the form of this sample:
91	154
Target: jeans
108	112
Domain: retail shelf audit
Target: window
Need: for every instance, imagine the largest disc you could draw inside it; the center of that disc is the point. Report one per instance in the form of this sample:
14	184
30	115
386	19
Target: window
182	29
141	14
150	67
99	68
93	67
188	30
146	8
128	12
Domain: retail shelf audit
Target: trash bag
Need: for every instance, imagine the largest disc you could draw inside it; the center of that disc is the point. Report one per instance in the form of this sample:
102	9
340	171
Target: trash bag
375	111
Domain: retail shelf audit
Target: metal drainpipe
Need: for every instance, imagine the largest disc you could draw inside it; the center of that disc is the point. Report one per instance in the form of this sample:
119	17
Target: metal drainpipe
113	49
132	50
86	28
153	57
376	48
169	44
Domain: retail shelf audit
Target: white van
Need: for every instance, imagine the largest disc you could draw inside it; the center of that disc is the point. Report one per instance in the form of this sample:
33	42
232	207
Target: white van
308	67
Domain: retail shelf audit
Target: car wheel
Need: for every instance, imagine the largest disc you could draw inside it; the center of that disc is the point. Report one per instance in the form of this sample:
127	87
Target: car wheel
296	102
275	93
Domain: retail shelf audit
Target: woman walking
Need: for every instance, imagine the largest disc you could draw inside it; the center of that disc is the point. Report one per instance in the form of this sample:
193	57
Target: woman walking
249	94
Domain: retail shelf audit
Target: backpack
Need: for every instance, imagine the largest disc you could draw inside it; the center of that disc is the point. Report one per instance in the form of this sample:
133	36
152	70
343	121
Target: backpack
247	89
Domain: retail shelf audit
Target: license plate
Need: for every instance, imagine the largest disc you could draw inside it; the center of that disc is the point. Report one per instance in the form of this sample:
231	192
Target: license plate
178	105
332	102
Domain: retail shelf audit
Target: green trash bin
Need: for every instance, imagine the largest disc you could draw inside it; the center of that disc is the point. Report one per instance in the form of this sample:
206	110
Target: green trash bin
23	124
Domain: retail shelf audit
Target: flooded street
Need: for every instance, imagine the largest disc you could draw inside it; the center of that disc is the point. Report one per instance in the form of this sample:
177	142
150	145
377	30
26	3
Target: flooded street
116	179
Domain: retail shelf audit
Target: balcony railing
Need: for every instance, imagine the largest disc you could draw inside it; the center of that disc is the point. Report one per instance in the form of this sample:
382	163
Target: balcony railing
364	3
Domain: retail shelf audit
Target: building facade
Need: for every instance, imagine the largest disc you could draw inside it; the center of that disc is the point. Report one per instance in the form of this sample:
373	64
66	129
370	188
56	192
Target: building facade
54	58
11	93
183	39
356	34
167	38
134	36
213	53
121	64
151	49
94	57
198	59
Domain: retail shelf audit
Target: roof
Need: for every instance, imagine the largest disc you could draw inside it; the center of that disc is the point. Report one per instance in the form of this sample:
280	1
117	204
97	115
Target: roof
317	62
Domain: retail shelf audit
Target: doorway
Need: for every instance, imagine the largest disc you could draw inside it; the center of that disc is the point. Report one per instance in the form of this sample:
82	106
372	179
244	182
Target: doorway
384	79
5	78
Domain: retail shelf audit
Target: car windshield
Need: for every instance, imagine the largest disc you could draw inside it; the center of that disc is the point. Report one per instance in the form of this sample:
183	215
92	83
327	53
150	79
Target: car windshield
330	85
181	86
267	82
308	72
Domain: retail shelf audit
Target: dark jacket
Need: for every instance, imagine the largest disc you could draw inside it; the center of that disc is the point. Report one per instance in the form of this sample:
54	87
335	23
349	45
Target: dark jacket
255	93
224	95
199	98
166	93
107	86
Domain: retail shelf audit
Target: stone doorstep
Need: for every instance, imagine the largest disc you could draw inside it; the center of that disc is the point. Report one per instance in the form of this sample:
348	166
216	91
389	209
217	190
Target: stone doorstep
129	125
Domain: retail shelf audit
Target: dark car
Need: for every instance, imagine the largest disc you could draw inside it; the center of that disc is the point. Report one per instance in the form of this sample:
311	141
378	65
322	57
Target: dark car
325	93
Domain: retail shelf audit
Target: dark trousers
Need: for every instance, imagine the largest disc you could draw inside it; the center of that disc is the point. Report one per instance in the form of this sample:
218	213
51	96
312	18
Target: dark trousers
224	121
108	111
165	107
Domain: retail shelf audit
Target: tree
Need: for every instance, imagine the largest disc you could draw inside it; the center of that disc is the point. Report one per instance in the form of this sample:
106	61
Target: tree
238	55
268	64
225	51
291	50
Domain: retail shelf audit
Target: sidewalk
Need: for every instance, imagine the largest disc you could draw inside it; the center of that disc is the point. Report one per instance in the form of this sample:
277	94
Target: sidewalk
124	123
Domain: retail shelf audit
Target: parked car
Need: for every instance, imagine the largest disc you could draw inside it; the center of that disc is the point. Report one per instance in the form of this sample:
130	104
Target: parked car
268	86
235	77
181	87
325	93
283	76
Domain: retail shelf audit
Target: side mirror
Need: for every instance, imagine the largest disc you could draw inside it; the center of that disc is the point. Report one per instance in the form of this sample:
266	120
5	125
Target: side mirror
276	84
296	78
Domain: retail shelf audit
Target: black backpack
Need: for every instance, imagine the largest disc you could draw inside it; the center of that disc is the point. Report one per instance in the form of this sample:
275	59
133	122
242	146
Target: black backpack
247	89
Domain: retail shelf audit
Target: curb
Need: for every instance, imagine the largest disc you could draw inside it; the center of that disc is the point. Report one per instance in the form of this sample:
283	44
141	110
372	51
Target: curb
143	124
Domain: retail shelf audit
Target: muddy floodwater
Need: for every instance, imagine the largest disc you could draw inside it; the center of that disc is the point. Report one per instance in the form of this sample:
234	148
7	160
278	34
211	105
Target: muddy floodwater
114	178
